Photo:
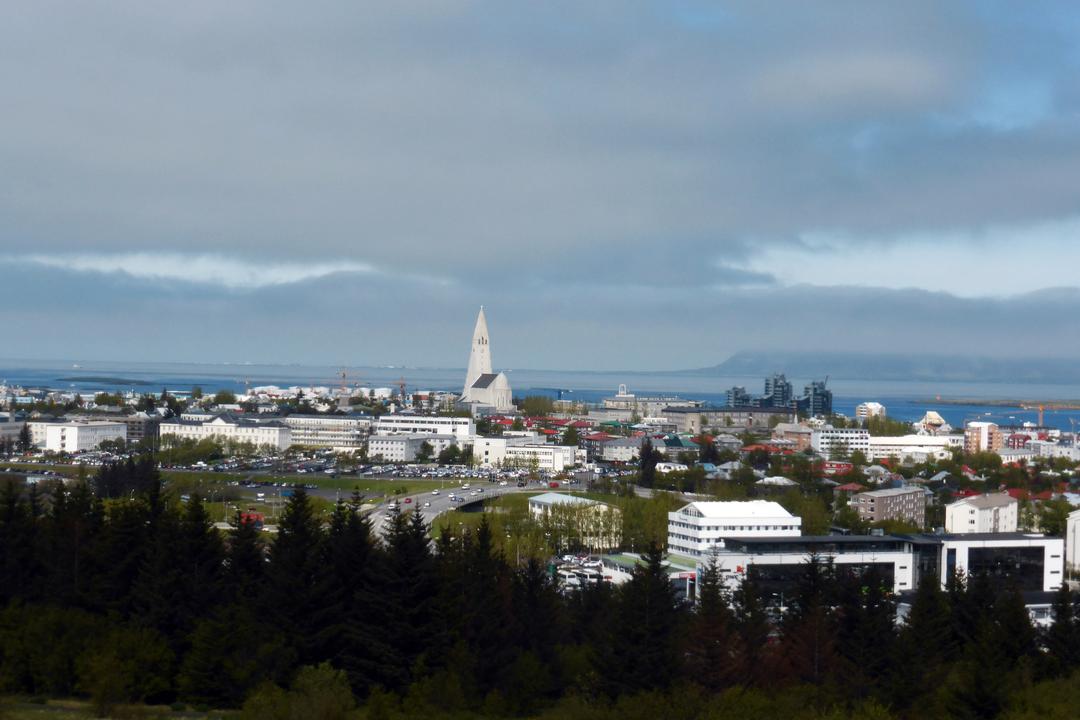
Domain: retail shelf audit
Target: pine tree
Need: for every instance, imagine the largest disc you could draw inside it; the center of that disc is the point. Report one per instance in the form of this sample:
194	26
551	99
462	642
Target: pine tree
866	631
754	661
809	629
353	634
245	565
19	570
1062	638
710	642
924	647
644	653
72	531
410	589
296	577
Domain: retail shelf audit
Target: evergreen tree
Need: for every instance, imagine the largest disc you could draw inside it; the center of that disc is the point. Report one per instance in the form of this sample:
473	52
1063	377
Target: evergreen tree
711	643
648	457
643	652
19	551
752	627
866	631
354	622
296	577
924	647
809	630
26	441
72	531
410	588
245	564
1062	638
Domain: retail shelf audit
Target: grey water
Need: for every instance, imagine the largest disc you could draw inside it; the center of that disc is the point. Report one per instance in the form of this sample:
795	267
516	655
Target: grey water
904	400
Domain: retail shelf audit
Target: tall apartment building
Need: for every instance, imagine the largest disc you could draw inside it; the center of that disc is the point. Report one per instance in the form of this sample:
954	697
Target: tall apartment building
867	410
778	392
816	400
905	504
983	437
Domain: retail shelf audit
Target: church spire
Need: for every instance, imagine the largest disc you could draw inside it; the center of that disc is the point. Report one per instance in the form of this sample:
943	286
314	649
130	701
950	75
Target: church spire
479	354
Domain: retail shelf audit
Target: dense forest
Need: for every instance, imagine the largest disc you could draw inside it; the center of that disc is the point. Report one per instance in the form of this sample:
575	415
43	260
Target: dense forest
115	591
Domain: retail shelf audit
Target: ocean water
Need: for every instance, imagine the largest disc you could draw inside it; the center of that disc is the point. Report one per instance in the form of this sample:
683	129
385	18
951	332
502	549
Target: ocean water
903	400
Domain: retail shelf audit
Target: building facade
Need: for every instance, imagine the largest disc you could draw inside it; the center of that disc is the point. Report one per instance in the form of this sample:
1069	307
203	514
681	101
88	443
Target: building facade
462	428
1034	563
996	513
983	437
694	420
406	447
865	411
918	448
829	441
73	437
904	504
699	528
340	432
228	428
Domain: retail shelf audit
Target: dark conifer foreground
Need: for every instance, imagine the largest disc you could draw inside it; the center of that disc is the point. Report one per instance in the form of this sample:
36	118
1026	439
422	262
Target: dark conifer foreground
122	595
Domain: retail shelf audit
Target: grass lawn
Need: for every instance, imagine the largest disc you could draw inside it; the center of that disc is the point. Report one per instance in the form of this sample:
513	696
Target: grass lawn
22	709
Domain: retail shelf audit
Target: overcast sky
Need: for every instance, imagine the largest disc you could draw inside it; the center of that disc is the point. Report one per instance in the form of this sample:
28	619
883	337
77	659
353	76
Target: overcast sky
623	185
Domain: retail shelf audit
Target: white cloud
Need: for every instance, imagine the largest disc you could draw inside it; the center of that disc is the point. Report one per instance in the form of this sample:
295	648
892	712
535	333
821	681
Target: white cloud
999	261
208	269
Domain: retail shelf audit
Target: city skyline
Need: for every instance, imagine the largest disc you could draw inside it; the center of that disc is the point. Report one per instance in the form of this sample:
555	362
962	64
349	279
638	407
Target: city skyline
623	186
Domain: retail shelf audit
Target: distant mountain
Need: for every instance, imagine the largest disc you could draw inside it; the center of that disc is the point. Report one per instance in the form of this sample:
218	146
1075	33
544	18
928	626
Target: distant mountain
855	366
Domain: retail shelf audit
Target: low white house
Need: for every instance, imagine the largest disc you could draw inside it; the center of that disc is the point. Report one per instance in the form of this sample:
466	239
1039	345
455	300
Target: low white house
996	513
698	528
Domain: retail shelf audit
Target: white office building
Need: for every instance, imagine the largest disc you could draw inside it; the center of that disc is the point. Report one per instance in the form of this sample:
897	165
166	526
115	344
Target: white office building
462	428
227	428
406	448
73	437
996	513
917	448
1034	562
526	452
827	441
701	527
340	432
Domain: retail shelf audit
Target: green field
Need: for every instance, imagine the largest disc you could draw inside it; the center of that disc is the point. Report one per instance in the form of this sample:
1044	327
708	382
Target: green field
25	709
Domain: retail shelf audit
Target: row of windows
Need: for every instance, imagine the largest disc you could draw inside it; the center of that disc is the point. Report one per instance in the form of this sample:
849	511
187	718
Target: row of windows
729	528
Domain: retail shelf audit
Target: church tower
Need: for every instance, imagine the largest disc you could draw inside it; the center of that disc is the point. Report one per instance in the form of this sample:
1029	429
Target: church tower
479	354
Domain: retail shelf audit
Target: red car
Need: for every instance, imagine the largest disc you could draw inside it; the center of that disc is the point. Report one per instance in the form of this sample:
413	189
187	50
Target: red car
553	484
408	500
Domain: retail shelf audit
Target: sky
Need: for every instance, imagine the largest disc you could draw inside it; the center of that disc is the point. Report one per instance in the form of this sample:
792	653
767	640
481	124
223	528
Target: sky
622	185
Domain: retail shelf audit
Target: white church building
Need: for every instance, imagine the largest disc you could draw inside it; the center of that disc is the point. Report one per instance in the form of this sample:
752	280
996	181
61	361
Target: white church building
485	391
